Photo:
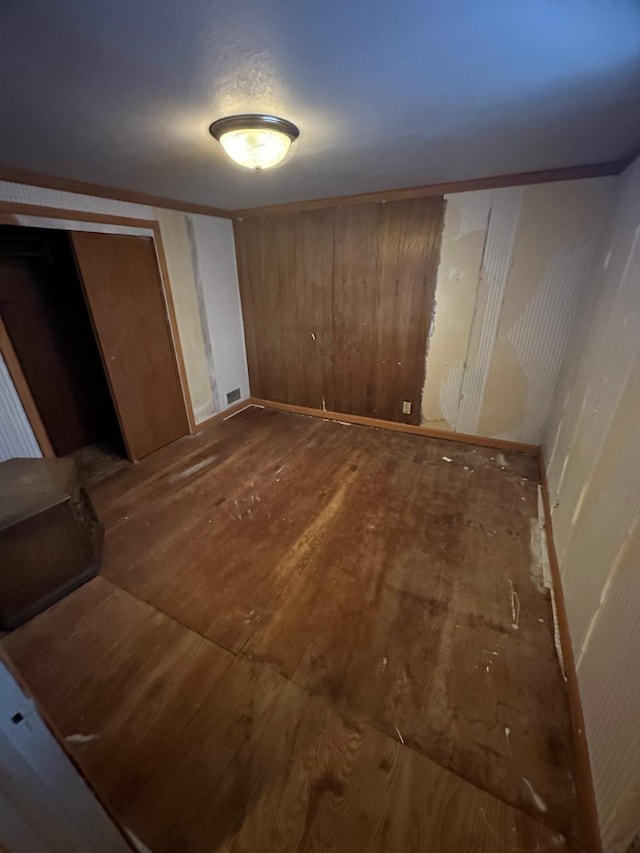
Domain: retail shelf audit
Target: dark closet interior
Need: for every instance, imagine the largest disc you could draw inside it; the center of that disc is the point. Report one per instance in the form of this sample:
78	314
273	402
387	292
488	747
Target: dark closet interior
46	317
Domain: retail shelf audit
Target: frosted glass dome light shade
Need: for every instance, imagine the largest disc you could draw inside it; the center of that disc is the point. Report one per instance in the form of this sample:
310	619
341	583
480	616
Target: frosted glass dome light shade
255	141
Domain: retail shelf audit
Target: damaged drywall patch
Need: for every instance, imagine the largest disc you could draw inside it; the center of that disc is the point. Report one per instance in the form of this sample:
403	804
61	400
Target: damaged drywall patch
204	326
541	572
495	266
540	568
178	253
466	217
552	256
504	404
495	353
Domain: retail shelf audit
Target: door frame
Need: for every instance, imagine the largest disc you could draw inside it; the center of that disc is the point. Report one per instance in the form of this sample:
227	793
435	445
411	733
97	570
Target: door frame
9	213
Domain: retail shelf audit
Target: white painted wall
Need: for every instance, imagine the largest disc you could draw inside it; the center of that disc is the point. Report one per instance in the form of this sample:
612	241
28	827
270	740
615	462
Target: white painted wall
592	450
214	261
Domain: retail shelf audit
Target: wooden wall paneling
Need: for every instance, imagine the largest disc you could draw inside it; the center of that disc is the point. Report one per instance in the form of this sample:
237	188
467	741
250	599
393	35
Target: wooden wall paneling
245	237
386	259
337	305
426	238
264	252
406	301
124	292
278	294
285	267
356	305
311	295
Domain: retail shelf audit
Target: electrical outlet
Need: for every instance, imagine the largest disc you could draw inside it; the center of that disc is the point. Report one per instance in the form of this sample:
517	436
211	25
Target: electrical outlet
406	407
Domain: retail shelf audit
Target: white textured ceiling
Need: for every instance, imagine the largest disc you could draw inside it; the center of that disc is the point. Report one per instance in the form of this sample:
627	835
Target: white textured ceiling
387	93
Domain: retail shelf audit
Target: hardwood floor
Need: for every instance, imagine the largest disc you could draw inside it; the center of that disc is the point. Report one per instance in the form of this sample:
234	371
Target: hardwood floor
315	636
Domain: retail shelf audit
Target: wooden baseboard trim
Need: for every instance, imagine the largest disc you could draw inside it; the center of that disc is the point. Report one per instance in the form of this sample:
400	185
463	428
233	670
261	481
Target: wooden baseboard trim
224	414
584	779
378	423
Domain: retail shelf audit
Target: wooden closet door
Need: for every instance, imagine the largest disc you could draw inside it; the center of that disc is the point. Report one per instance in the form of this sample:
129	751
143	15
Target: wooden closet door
124	293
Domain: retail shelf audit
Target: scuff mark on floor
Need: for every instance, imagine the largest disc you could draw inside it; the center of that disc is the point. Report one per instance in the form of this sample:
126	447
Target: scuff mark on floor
193	469
515	608
140	846
80	738
537	799
557	840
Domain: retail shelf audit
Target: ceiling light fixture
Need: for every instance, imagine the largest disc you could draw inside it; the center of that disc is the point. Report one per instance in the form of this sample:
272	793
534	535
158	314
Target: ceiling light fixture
255	141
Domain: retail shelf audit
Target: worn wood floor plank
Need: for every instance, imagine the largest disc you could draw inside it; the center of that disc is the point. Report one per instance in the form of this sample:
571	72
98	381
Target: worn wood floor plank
335	579
204	751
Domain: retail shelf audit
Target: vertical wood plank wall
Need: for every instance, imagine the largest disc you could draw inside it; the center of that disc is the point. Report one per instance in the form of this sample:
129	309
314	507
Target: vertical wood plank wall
337	304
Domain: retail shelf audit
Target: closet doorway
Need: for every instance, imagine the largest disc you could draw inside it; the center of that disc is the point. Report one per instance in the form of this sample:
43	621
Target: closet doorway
85	316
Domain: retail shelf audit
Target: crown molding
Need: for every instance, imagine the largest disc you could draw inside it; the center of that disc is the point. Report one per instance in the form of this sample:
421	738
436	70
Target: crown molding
568	173
517	179
50	182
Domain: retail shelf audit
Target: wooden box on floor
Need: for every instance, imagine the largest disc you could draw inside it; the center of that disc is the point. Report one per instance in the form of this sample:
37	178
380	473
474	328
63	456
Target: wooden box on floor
50	538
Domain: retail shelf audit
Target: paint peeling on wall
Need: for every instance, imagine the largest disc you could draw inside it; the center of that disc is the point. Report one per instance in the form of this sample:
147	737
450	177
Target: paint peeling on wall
177	246
513	268
214	263
592	448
